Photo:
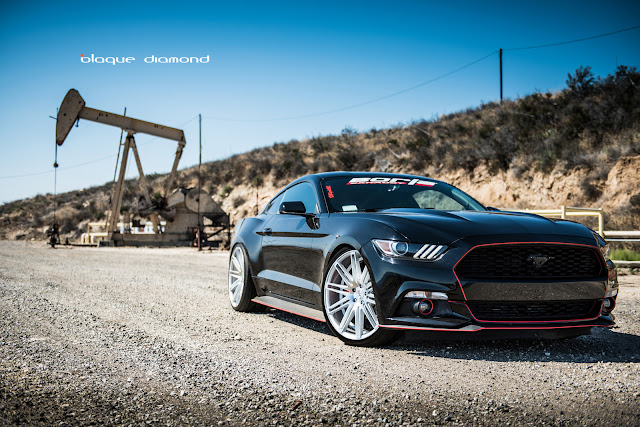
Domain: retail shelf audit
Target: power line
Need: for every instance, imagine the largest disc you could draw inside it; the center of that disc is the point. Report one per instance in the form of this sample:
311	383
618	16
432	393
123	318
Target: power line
26	175
574	41
225	119
349	107
65	168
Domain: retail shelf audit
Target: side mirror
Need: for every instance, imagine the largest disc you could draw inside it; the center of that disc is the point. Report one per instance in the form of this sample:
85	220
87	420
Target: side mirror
492	209
293	208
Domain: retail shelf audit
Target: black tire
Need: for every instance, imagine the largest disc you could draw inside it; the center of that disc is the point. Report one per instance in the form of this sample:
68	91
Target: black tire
240	299
360	299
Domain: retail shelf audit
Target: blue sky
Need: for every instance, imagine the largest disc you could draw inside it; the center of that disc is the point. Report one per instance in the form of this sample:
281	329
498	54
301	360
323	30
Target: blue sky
271	60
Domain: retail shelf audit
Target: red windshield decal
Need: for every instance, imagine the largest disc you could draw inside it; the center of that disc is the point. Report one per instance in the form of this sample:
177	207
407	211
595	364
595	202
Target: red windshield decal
329	192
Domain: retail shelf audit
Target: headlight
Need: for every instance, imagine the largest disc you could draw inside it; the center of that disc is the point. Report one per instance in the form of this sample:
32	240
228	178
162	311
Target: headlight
392	248
602	245
396	249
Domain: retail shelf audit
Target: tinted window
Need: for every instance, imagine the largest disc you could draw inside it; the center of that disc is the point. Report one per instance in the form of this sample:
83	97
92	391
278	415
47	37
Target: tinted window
304	193
431	199
374	193
274	205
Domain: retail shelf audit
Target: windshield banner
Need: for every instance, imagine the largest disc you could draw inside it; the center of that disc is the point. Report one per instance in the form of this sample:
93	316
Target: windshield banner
402	181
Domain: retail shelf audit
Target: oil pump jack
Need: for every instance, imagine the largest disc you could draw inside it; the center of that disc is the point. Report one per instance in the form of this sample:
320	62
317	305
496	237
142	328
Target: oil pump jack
181	209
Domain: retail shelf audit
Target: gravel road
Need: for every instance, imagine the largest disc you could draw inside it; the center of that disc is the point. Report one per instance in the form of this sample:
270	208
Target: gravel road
146	336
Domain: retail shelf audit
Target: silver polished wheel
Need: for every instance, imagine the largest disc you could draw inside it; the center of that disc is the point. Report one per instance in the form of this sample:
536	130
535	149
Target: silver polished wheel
349	302
236	276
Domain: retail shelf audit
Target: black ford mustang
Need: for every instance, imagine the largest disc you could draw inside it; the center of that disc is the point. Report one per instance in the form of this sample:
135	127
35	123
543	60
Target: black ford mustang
374	253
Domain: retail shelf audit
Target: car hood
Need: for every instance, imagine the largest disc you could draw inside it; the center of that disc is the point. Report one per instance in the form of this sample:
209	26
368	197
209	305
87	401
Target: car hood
421	225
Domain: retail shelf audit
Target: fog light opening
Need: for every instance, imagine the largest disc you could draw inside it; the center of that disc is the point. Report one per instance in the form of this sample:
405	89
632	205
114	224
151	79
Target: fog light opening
423	307
608	305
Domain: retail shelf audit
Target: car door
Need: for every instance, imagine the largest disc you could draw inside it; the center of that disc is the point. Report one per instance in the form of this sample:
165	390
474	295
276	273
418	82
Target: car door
287	248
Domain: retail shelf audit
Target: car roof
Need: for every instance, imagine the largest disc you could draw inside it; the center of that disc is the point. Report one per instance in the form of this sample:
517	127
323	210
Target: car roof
316	177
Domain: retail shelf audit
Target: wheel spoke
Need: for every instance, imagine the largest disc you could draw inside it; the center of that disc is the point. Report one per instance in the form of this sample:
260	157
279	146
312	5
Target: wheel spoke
356	273
339	302
359	321
366	280
236	294
346	319
340	305
368	311
236	263
235	284
342	271
338	285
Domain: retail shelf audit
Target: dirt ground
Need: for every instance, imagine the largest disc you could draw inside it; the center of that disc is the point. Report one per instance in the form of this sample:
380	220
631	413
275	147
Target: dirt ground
146	336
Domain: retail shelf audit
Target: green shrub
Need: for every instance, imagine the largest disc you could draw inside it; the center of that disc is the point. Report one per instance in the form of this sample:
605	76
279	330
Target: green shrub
237	201
347	158
318	146
225	191
625	255
257	181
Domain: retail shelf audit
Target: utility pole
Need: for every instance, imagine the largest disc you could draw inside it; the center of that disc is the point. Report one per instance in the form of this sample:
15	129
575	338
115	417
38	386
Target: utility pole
199	182
500	76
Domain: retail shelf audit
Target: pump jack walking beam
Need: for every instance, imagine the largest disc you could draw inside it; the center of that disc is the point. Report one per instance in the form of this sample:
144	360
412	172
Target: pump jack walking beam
73	109
132	126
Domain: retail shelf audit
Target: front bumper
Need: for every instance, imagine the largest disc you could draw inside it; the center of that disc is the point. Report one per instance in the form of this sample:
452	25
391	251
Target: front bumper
394	278
461	323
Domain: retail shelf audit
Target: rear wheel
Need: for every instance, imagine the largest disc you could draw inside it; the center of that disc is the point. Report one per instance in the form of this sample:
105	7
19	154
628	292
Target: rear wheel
349	302
241	289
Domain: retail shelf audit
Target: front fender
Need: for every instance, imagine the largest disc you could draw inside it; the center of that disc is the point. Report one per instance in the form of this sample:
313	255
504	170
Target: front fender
351	232
246	233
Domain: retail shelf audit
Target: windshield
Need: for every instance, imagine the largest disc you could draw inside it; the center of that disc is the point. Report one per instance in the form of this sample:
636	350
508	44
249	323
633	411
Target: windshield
375	193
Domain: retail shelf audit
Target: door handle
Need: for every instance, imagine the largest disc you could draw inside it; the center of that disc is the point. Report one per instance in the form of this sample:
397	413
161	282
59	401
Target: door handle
267	231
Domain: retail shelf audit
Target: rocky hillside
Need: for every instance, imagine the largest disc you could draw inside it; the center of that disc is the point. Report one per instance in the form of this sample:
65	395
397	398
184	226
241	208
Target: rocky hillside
578	147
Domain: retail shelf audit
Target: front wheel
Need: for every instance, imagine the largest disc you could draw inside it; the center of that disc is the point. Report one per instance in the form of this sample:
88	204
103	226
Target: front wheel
241	289
349	302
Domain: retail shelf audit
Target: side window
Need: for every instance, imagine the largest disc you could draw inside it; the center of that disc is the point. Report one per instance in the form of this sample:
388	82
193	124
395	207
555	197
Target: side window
304	193
274	205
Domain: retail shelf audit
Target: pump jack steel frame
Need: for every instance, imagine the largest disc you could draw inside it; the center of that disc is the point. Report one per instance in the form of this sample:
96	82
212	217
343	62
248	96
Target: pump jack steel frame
73	109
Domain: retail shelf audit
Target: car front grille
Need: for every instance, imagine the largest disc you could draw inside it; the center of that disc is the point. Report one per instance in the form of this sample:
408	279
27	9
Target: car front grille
518	261
534	310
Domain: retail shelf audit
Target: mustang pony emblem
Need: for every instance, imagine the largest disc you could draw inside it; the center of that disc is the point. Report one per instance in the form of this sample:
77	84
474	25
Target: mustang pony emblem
539	260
